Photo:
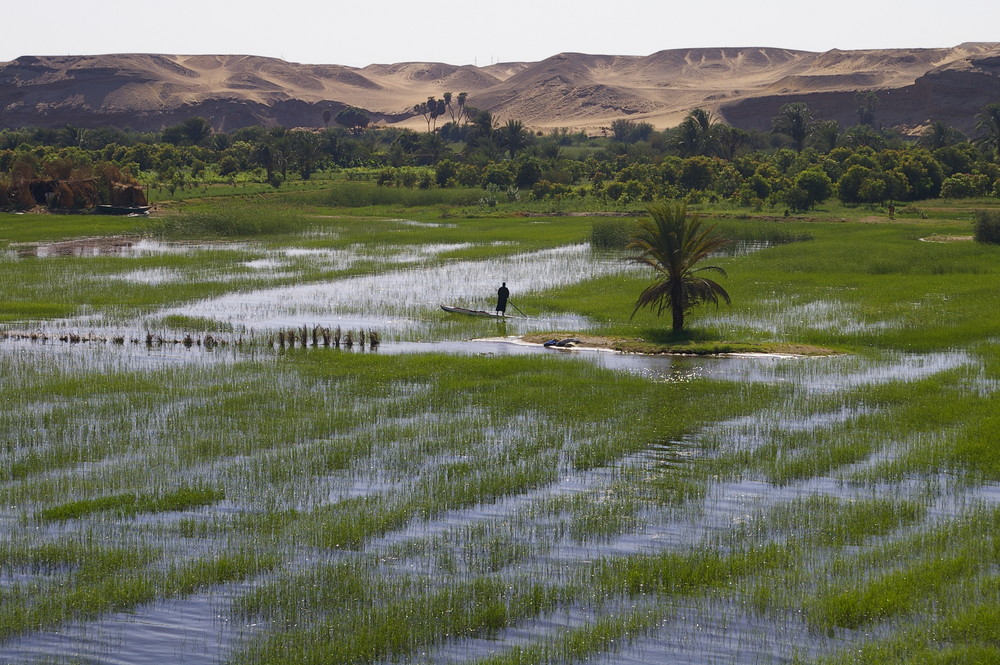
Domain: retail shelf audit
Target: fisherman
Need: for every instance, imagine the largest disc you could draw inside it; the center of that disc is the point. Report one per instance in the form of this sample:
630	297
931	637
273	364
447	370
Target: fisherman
502	294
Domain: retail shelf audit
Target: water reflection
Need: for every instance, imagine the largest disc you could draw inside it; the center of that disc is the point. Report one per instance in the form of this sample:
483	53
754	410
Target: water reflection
400	302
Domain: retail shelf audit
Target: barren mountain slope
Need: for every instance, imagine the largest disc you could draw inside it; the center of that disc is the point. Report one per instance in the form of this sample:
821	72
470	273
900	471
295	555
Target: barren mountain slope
581	90
743	85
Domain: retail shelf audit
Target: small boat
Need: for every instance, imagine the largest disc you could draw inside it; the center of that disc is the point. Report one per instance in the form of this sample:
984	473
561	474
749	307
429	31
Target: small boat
471	312
567	343
122	210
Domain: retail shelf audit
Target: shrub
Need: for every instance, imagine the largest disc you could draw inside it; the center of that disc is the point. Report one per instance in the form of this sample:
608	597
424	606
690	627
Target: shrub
497	174
612	233
965	185
987	226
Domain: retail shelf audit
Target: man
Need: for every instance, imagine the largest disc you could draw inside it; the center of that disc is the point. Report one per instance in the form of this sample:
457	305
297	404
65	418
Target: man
502	294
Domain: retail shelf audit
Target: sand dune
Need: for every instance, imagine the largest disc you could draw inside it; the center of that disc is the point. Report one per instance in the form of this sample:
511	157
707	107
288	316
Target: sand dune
745	86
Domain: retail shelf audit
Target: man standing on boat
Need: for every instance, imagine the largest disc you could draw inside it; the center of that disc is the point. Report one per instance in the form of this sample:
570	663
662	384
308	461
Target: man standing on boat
502	294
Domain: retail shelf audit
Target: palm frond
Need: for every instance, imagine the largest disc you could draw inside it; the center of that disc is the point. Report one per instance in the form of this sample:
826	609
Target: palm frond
673	245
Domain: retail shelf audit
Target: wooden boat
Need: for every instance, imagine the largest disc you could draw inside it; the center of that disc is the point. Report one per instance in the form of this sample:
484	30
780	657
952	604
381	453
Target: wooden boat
471	312
122	210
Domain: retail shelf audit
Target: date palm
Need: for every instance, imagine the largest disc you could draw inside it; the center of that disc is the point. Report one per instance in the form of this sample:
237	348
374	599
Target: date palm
695	135
939	135
988	125
673	245
796	121
513	137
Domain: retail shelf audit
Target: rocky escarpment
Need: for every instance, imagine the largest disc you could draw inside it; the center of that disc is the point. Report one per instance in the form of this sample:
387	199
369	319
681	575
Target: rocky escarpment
744	86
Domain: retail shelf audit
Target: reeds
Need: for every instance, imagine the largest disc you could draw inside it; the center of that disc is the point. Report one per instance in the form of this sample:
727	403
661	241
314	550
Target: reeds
317	336
208	340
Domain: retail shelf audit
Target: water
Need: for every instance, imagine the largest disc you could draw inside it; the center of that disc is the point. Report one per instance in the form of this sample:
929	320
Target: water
196	630
407	302
404	302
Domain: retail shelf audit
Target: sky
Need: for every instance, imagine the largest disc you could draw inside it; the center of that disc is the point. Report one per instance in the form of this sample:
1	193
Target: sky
461	32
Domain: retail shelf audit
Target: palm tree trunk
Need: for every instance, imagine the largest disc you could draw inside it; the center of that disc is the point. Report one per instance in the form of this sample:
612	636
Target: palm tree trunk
678	302
678	314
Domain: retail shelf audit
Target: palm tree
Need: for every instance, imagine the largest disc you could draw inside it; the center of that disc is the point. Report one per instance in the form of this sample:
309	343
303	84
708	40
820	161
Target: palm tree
826	135
939	135
729	140
695	135
513	137
307	149
673	244
463	97
796	121
988	124
196	130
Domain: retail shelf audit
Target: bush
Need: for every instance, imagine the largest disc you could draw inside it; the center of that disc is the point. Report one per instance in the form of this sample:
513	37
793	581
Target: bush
612	233
965	185
224	221
987	226
358	195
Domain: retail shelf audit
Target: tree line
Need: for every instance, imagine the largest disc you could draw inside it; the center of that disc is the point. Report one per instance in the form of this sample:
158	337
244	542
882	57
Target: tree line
799	163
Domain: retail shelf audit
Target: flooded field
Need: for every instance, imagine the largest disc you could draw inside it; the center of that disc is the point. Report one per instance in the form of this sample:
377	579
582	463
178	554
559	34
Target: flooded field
455	497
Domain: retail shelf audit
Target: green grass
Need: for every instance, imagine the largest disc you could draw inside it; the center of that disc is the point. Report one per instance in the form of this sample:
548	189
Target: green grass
129	505
384	507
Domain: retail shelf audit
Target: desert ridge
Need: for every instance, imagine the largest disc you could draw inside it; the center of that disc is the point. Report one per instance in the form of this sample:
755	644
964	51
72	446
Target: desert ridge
743	86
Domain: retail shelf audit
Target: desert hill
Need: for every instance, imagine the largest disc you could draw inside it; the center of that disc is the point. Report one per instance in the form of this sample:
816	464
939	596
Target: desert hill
744	86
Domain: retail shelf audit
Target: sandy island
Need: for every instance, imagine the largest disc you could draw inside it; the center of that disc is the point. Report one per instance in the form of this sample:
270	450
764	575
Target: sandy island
685	348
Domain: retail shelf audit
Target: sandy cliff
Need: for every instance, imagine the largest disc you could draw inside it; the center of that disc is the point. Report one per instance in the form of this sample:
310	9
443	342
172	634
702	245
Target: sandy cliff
745	86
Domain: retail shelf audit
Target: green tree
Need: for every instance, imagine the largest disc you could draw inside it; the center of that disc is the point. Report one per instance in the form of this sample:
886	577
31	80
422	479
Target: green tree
694	136
849	185
307	149
513	137
463	115
922	172
498	174
988	126
272	152
673	245
939	135
192	131
529	171
626	131
353	118
795	120
431	110
860	136
826	135
697	173
728	140
431	149
866	102
816	184
70	135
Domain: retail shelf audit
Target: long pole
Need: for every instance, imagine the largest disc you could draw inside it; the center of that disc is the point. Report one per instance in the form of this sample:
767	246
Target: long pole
517	308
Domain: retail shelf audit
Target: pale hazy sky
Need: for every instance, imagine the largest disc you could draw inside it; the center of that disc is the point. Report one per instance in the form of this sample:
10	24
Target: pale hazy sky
358	33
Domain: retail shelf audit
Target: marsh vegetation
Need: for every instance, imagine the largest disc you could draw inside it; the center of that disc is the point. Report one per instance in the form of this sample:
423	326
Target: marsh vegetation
438	500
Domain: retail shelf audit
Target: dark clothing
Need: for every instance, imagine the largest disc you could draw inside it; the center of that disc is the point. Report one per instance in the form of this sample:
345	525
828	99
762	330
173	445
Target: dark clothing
502	294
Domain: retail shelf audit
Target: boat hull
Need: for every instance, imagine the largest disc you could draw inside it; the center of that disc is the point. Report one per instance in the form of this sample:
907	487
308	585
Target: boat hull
471	312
